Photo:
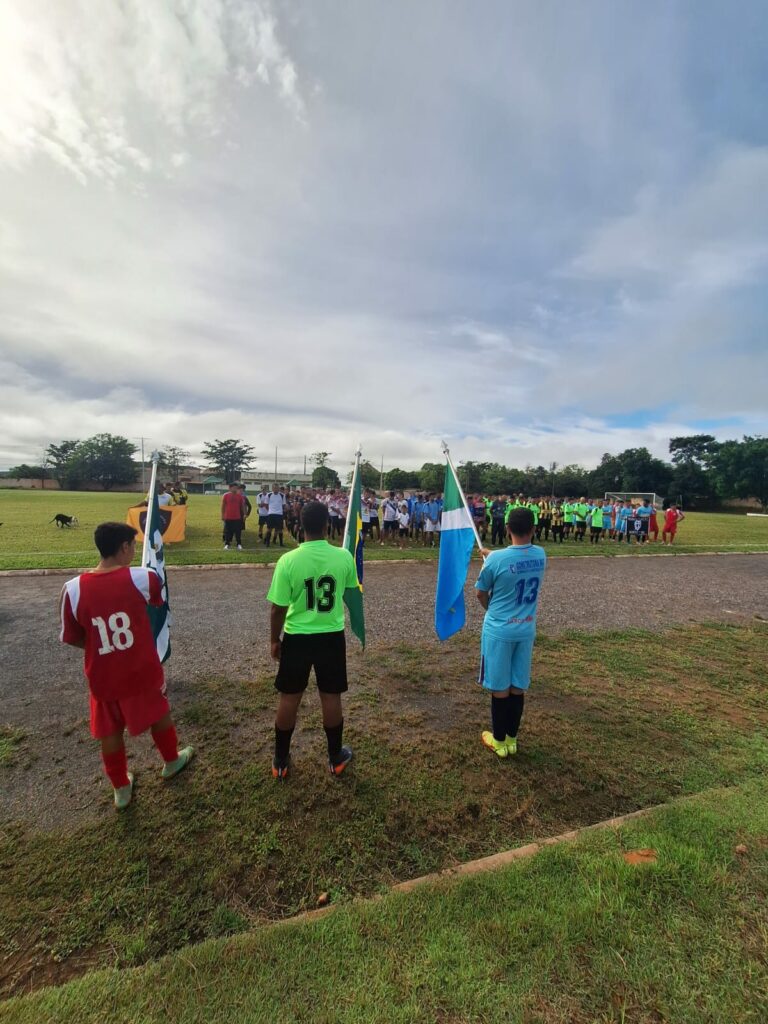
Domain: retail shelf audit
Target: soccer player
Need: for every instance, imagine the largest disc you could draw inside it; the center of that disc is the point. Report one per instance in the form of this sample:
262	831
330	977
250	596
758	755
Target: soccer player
105	613
307	599
508	590
595	522
275	513
672	517
403	522
262	501
233	515
498	510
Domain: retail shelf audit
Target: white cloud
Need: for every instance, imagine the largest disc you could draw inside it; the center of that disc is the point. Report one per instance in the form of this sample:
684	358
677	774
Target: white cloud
109	89
703	236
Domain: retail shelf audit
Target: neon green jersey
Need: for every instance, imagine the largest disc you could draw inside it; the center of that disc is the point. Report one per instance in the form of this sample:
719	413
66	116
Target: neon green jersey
567	511
597	516
310	582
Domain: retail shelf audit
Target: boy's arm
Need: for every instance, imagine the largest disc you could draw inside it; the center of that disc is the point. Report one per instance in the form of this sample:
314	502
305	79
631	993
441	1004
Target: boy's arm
276	622
72	633
484	597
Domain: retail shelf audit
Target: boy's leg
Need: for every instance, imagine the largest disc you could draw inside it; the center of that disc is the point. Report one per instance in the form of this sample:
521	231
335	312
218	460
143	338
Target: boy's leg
331	672
167	742
115	761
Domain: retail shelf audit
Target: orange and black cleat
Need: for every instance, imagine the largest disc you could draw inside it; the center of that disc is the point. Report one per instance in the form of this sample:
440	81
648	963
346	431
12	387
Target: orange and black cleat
341	761
279	769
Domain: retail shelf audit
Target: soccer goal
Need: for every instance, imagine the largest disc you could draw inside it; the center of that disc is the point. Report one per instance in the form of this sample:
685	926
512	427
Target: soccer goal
655	499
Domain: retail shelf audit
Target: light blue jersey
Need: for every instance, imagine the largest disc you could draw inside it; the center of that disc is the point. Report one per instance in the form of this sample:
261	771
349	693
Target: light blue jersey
512	577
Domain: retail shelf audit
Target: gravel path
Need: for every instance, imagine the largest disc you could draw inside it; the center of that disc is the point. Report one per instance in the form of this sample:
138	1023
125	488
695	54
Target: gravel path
221	629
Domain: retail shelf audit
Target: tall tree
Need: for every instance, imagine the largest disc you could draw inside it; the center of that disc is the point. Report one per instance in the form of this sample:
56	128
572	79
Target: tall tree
740	469
60	458
692	448
229	457
432	476
324	476
107	459
172	459
319	458
369	476
398	479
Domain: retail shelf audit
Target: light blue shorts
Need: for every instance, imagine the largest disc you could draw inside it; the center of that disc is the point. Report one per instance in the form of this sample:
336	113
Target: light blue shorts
505	663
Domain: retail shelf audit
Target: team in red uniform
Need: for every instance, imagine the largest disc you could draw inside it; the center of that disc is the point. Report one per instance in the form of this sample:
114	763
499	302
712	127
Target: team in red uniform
105	612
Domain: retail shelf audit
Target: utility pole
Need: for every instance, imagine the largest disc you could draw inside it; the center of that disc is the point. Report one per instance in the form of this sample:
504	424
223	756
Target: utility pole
552	469
275	463
305	465
381	475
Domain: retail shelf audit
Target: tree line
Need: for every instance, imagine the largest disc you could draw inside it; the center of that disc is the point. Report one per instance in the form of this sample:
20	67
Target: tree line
702	470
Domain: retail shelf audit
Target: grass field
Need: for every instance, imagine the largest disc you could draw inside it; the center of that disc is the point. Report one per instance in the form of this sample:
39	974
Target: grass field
28	540
617	721
574	935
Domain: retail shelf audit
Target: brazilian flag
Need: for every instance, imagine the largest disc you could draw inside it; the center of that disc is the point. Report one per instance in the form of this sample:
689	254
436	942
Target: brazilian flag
353	542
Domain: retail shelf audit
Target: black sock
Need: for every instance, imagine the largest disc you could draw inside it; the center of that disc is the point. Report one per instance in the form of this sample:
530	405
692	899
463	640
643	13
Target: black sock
333	735
514	706
499	718
282	744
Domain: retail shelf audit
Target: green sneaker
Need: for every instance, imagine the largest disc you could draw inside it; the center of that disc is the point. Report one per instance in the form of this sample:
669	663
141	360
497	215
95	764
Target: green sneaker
499	747
511	744
124	794
172	768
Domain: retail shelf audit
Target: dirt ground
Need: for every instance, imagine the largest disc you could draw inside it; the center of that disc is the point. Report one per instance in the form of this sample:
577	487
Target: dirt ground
221	629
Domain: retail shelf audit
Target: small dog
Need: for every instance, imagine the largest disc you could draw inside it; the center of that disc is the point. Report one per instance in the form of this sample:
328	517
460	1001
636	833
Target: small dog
61	520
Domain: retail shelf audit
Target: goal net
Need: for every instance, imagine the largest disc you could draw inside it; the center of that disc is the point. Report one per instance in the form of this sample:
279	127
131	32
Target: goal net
634	496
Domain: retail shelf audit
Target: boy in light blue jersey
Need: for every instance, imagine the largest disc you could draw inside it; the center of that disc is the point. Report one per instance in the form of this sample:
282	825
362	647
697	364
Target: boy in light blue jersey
508	590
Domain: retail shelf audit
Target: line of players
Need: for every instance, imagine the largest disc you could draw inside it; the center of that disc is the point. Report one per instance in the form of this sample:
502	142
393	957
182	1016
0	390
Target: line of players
397	519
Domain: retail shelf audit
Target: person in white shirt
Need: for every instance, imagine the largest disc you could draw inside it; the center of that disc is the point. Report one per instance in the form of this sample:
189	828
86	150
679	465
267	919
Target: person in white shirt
390	518
275	513
262	503
403	522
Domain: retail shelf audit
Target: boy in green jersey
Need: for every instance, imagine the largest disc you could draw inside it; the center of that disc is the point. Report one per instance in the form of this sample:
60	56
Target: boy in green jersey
307	594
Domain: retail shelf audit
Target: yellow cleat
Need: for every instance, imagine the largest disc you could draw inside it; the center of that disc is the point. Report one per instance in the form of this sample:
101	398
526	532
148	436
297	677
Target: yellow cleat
498	747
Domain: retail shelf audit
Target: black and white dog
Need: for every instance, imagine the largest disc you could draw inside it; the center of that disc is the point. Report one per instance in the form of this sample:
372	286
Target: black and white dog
61	520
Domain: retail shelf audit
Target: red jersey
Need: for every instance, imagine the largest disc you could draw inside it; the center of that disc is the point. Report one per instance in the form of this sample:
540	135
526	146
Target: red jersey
109	611
232	506
671	517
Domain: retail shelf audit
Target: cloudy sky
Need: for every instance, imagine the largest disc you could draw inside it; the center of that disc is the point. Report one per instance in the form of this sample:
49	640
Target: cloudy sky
537	229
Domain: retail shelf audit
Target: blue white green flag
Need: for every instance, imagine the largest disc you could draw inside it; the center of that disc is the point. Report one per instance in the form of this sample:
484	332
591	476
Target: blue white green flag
457	538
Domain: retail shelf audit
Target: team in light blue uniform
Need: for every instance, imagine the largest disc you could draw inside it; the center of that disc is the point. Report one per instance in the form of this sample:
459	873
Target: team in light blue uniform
512	577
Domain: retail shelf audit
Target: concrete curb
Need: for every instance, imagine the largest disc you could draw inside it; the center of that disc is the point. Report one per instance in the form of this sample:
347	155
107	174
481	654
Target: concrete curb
492	863
215	567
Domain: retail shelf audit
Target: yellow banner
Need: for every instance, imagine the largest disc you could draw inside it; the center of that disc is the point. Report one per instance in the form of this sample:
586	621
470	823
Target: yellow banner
173	522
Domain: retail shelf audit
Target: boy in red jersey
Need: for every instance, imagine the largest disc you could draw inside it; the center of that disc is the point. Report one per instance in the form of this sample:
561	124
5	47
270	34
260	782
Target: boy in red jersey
104	611
672	517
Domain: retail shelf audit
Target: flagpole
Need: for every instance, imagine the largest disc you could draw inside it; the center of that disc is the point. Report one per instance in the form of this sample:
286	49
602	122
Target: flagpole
447	454
358	453
150	498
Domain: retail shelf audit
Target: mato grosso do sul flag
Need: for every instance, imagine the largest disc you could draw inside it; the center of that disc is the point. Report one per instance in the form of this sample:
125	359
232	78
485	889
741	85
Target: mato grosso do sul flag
152	557
457	538
353	542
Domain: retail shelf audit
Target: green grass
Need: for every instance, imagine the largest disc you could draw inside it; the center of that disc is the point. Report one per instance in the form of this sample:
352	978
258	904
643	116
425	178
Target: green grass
10	742
28	540
615	722
571	936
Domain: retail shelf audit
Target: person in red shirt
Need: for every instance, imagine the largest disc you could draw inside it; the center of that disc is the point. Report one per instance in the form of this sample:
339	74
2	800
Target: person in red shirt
672	517
233	511
104	611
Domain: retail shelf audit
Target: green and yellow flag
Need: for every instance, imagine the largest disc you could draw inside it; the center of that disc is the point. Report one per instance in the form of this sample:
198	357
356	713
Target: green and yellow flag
353	542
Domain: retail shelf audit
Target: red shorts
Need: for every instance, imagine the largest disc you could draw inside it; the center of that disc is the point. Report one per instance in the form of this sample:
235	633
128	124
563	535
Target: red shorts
136	714
671	530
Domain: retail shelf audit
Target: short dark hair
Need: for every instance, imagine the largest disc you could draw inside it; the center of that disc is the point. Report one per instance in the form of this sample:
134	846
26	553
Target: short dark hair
520	522
110	537
314	518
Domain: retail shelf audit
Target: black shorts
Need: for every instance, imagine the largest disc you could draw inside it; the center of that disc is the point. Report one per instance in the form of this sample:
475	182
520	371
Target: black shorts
274	522
300	653
262	520
390	525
